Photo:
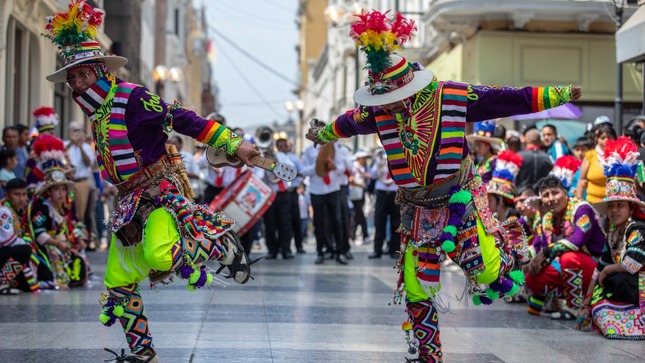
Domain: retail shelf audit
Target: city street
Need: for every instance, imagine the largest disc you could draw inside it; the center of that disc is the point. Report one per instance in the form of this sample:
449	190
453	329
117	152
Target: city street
294	311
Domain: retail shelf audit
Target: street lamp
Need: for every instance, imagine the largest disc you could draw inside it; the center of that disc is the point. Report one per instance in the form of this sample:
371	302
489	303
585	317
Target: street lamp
300	106
161	74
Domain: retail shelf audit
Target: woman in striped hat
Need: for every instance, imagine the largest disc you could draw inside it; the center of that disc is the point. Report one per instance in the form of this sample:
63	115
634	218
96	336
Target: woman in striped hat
421	123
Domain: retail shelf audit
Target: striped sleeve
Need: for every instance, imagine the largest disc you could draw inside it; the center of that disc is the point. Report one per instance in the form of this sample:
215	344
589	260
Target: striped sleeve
216	135
490	102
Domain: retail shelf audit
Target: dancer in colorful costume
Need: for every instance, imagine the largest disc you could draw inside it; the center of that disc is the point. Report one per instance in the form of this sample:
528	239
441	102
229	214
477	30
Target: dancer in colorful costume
569	241
45	119
615	300
158	231
59	237
486	147
15	249
444	211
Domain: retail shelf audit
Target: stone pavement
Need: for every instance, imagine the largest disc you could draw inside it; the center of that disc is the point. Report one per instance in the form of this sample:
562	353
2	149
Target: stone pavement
294	311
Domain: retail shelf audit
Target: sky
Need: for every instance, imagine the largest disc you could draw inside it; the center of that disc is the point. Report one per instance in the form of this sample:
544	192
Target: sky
249	95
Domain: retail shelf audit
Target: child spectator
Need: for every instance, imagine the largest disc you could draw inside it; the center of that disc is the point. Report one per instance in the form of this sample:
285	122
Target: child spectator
8	161
612	300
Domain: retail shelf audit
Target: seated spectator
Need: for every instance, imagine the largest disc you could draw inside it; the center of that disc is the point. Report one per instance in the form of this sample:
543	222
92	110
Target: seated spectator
501	188
8	161
11	140
529	215
487	145
612	300
15	251
571	234
59	237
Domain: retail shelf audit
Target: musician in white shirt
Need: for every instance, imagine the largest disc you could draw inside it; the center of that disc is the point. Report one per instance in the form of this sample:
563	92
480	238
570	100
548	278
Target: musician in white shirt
325	201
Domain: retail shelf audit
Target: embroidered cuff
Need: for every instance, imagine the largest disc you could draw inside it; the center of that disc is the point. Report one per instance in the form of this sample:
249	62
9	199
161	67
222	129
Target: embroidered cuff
630	265
233	143
219	136
325	135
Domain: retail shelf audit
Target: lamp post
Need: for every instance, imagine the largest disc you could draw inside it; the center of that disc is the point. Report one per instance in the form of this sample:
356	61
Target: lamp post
300	106
161	74
619	6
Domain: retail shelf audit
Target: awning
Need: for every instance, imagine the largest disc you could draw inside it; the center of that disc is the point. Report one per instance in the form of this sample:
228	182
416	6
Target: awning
630	38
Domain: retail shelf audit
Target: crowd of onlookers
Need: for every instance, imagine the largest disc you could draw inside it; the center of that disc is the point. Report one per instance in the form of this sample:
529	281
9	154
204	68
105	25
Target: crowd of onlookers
54	203
581	205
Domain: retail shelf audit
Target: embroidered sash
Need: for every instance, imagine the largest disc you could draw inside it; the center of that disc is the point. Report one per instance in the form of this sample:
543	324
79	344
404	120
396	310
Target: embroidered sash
410	142
454	99
116	158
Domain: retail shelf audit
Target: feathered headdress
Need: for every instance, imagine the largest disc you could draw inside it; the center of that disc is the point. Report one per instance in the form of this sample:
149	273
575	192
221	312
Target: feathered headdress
77	25
45	118
74	33
565	169
620	164
620	158
48	147
506	169
378	36
390	77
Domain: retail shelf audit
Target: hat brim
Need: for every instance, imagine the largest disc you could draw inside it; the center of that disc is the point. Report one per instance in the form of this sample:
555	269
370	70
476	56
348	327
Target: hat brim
112	62
491	140
601	207
421	79
70	186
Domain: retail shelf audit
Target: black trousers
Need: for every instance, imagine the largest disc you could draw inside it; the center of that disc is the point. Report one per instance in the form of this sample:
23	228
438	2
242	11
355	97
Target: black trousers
295	218
386	207
359	219
210	193
344	217
327	220
277	225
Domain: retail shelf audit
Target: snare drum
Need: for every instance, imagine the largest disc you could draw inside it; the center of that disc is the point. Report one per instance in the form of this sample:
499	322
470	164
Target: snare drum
244	201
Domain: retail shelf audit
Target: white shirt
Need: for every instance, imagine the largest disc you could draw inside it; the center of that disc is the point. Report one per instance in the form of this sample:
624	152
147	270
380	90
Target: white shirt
76	159
384	180
346	158
316	184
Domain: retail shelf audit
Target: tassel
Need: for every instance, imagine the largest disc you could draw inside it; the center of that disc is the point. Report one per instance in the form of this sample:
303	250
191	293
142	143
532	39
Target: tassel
491	294
517	276
185	271
514	290
194	277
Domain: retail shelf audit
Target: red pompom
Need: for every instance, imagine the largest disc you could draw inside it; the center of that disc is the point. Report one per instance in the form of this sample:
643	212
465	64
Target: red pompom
567	162
510	157
622	146
47	142
43	111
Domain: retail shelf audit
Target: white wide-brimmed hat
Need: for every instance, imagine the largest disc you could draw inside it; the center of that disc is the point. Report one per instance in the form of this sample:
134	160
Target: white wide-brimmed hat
396	83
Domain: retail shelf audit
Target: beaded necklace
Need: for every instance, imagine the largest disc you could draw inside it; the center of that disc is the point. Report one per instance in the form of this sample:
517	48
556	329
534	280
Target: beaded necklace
567	221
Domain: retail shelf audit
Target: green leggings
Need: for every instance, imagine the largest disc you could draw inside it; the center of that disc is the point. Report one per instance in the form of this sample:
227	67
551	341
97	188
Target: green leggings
130	265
